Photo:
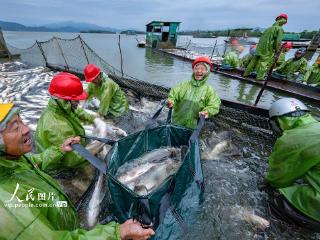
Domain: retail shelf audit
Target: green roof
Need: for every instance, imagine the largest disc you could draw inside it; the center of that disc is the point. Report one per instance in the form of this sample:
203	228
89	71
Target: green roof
158	22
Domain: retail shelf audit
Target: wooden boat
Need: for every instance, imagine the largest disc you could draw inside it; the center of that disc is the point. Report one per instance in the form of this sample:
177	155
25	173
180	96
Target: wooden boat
203	35
141	44
288	87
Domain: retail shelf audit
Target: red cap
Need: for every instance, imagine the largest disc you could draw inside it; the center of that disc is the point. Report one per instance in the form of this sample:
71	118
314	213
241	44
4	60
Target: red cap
67	86
202	59
282	15
287	45
91	72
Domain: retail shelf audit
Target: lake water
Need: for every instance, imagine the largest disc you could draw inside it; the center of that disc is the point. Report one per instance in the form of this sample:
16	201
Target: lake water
157	68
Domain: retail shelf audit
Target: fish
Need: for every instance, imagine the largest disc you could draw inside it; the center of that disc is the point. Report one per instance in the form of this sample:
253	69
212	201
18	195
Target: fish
144	174
254	220
135	172
157	155
103	130
156	176
219	145
93	104
95	201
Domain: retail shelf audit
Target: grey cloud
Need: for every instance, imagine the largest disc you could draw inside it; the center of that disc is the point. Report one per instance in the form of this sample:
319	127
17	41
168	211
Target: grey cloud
194	14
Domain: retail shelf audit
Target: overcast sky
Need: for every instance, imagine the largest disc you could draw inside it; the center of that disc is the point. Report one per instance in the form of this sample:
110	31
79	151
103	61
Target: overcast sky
194	14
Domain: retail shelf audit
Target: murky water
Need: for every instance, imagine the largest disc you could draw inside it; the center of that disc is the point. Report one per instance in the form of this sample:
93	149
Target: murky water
235	187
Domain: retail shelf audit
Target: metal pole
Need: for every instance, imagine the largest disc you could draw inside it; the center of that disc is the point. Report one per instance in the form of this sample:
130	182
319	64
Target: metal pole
84	51
226	44
42	53
185	54
120	56
213	49
67	66
276	57
312	47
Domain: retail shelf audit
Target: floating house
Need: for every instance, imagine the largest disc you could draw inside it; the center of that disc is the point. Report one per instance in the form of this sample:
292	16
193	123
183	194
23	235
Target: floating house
162	34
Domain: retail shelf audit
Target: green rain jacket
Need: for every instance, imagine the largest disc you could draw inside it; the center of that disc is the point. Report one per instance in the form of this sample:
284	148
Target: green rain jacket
231	59
55	125
29	199
281	59
111	97
296	156
245	60
313	75
293	65
268	45
270	41
190	98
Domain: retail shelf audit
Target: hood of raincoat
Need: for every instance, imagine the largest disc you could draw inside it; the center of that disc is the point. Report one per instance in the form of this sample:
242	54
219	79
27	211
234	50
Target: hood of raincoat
287	123
64	107
56	124
280	22
112	98
191	97
40	221
296	156
198	83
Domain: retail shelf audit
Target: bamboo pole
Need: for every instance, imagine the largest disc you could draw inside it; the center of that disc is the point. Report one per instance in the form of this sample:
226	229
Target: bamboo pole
84	51
120	56
42	52
276	57
61	51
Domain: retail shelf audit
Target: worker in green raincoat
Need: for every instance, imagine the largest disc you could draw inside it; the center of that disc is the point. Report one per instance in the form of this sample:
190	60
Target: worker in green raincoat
269	44
111	97
294	165
195	97
231	60
282	57
32	205
312	76
247	58
293	68
62	119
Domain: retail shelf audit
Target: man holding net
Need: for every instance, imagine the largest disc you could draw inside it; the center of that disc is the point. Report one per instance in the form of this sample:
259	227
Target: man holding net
32	205
294	165
195	97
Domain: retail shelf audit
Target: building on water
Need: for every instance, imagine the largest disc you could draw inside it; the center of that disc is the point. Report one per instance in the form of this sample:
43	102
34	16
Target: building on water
162	34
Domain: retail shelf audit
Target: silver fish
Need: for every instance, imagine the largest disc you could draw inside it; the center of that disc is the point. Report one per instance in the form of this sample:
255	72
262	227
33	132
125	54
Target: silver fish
135	168
146	173
156	176
95	201
250	217
220	145
103	130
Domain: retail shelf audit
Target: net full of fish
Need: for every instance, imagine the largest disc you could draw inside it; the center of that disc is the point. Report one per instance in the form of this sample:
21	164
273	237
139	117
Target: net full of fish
146	173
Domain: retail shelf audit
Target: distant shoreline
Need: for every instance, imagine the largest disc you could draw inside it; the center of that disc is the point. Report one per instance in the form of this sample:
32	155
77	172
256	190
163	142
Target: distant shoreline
98	31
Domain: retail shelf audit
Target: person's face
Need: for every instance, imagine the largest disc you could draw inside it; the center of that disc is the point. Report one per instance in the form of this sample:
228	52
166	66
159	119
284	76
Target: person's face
16	137
282	21
199	71
96	81
74	104
298	55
